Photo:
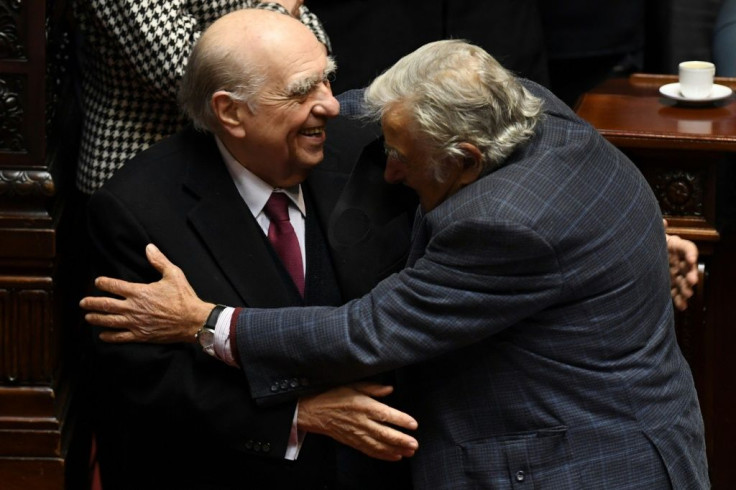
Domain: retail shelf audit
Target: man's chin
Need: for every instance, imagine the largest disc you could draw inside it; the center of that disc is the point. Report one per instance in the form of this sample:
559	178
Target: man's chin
301	170
310	159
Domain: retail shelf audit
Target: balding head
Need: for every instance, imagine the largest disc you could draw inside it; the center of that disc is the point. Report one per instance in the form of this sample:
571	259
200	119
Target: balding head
259	80
235	54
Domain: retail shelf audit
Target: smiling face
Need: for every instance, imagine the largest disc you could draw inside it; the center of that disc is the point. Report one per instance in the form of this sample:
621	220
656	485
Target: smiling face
280	135
285	133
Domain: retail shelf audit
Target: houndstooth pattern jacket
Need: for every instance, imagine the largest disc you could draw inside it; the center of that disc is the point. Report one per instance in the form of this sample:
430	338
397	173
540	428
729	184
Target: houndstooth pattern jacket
133	55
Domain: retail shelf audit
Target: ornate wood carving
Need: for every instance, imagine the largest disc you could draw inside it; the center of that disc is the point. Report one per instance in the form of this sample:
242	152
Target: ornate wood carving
11	107
26	183
680	192
10	39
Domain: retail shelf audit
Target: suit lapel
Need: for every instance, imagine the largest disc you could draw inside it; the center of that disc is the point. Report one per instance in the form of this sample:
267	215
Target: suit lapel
231	234
367	220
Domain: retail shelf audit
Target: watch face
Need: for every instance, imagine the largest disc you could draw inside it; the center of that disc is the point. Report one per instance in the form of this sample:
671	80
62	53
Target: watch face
206	339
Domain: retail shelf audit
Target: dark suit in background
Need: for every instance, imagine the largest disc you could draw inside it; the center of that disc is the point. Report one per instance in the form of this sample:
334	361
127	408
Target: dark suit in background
368	37
173	417
588	42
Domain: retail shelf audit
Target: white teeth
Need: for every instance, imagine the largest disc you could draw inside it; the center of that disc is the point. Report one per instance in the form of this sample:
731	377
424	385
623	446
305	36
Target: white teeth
312	131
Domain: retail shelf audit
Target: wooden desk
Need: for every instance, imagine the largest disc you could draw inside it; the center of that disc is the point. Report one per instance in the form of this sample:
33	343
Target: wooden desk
688	155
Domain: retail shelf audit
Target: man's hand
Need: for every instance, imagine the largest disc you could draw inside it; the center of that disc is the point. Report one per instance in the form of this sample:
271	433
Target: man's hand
161	312
350	415
683	257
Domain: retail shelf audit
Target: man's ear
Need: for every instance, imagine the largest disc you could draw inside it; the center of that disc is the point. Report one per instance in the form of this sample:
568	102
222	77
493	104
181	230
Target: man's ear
230	113
472	163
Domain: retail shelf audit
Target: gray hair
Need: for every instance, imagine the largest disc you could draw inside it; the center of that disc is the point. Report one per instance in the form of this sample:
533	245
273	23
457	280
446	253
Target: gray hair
455	92
213	67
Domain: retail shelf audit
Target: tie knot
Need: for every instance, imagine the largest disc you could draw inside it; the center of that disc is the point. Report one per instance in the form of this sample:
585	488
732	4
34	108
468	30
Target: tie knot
277	207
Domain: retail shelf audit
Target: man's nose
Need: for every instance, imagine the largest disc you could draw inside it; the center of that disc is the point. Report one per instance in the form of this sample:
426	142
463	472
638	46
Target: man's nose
394	172
327	105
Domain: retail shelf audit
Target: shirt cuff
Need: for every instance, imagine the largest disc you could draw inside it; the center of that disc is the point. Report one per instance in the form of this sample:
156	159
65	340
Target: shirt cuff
223	348
296	438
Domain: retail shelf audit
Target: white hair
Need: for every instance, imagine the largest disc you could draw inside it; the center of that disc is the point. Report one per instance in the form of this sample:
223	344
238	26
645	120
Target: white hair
455	92
212	67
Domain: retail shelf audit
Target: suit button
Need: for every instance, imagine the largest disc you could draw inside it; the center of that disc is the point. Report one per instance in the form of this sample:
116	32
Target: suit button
274	387
284	384
294	383
249	445
266	447
520	476
256	446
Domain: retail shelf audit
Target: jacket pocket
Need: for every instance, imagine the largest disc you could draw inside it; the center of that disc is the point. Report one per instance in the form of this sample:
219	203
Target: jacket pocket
539	459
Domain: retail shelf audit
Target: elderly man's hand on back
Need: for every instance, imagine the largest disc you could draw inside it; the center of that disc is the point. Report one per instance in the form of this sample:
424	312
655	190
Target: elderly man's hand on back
162	312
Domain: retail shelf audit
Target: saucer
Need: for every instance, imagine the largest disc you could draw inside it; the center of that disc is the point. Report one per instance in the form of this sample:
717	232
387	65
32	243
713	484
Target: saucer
718	92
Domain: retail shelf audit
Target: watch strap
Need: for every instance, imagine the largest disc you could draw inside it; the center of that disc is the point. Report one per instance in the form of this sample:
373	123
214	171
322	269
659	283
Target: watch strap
210	325
211	321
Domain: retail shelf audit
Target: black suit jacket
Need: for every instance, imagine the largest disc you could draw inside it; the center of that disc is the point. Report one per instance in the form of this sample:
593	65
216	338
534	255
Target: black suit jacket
170	414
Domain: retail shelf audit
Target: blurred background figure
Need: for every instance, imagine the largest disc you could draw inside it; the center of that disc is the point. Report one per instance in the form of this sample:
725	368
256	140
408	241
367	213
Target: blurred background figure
724	40
368	37
588	42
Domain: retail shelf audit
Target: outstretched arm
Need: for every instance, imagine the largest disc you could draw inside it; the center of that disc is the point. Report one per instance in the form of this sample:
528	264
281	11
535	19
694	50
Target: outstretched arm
170	311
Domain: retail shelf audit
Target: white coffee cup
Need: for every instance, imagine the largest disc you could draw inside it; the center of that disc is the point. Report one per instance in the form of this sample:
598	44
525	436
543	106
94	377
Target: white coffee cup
696	79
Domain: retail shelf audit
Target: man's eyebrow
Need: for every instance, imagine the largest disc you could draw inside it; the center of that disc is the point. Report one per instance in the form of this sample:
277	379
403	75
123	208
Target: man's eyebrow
392	152
305	85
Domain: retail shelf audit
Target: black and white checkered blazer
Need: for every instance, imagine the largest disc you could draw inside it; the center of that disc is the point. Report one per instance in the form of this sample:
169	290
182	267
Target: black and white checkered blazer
133	54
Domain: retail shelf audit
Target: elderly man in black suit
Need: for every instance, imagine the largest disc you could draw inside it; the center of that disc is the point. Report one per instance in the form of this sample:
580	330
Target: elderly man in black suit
173	416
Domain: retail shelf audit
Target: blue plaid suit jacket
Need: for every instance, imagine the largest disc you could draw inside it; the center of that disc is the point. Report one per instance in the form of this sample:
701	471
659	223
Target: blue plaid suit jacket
532	330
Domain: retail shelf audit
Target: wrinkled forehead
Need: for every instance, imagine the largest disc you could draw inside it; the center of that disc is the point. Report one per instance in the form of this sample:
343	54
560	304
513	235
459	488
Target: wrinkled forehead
301	63
397	121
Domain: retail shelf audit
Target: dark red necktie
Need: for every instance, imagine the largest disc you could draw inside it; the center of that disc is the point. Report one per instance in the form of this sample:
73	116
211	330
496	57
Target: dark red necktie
283	239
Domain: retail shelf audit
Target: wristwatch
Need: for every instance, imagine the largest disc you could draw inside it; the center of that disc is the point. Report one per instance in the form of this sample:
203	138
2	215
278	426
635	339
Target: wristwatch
206	335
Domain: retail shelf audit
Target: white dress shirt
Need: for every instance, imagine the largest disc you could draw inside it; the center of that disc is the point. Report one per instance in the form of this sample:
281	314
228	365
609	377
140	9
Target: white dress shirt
255	193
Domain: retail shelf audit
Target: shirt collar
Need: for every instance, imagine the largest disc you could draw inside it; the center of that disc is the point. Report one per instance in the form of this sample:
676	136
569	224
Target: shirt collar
254	191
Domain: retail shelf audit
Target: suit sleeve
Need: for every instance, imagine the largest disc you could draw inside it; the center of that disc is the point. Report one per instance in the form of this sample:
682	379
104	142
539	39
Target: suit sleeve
476	278
173	390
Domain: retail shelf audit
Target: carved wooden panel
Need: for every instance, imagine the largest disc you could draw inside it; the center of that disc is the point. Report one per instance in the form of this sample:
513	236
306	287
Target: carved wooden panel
28	349
11	31
680	192
25	183
22	77
684	184
37	144
12	93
